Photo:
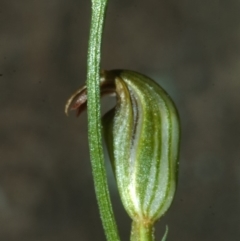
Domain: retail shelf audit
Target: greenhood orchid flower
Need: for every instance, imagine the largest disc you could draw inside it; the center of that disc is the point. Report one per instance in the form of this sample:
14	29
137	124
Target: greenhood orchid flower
142	135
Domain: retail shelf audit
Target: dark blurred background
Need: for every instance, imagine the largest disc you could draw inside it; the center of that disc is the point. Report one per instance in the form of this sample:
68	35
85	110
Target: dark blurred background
192	48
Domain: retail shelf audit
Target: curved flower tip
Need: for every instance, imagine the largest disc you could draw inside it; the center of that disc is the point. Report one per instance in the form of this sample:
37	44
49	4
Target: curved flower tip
77	101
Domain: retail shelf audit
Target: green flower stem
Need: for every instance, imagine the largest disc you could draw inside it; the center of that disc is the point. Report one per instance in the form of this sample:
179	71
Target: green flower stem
142	232
94	121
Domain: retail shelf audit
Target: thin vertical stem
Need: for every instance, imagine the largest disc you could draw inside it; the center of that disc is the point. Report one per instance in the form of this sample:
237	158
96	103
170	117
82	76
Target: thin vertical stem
94	121
142	232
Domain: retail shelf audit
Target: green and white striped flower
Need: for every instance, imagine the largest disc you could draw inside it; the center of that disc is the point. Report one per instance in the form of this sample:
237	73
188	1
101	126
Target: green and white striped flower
142	135
143	138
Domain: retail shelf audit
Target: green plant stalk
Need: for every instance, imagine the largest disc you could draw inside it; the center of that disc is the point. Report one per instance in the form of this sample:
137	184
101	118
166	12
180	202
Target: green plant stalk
142	232
94	120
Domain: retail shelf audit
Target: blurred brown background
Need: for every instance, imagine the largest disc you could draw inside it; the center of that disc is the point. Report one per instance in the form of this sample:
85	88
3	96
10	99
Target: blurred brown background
191	47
